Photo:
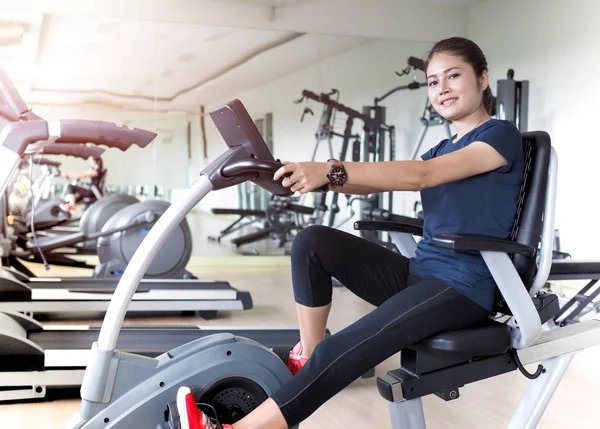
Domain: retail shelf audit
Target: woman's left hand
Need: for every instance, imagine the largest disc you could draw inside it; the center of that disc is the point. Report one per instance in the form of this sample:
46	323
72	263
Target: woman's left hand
304	177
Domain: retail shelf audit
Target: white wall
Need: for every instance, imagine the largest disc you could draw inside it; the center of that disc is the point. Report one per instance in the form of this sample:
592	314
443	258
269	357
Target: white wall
164	162
360	75
552	43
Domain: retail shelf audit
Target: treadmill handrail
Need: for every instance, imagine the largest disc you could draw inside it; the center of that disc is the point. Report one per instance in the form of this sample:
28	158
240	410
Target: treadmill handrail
16	138
75	150
52	243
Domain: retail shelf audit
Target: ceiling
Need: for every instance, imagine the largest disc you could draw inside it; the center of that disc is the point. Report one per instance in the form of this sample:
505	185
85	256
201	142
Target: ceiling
178	54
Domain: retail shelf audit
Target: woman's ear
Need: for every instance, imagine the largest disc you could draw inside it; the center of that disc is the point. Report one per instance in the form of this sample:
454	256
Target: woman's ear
484	80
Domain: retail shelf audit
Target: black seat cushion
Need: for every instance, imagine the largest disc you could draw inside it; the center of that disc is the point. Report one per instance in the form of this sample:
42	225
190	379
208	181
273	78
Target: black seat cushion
486	339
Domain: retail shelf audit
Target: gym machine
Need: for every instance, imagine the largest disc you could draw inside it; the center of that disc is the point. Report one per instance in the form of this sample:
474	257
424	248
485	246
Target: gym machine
326	132
97	215
326	128
38	362
120	235
283	217
373	145
448	361
584	305
247	217
50	220
512	100
48	213
20	291
30	191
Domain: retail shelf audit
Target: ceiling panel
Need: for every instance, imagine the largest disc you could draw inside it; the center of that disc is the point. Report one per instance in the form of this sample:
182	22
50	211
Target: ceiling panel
146	59
179	54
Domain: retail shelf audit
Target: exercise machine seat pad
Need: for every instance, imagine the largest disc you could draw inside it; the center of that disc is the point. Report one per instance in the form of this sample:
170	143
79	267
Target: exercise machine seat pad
486	339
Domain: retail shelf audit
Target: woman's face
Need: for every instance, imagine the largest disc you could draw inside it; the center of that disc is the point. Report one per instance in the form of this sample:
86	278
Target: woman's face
453	88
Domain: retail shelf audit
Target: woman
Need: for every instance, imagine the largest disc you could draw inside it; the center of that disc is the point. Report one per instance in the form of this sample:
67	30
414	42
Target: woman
75	193
468	183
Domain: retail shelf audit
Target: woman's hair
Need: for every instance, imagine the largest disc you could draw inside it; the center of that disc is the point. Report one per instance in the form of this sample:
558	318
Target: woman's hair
470	53
98	162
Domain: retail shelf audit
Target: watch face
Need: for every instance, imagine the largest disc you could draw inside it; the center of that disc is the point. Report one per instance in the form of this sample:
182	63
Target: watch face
337	176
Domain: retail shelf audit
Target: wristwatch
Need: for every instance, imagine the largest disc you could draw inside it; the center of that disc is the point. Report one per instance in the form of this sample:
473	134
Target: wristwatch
337	174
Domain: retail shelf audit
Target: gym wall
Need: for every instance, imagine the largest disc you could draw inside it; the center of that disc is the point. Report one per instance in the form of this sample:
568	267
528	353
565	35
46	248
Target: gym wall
552	43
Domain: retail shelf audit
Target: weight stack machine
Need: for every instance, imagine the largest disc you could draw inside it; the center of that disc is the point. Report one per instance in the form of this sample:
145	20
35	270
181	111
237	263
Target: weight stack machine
512	100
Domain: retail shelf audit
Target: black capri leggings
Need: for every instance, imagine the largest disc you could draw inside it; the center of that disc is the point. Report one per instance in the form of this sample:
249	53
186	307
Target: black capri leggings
409	309
79	192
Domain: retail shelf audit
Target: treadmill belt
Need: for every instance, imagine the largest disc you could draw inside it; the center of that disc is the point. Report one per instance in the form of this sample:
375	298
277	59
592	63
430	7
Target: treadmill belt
108	285
153	341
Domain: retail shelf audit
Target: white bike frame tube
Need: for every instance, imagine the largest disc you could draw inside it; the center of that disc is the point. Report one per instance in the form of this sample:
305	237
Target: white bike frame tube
547	227
540	392
143	256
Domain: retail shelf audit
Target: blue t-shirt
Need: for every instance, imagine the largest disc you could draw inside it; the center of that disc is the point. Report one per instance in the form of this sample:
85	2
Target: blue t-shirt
484	204
96	181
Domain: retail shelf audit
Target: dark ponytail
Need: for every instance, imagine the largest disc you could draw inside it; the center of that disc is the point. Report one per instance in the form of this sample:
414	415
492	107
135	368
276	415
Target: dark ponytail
489	101
470	53
99	162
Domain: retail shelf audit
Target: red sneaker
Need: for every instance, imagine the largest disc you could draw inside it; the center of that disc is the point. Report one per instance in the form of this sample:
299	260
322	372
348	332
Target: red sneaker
190	416
296	360
68	208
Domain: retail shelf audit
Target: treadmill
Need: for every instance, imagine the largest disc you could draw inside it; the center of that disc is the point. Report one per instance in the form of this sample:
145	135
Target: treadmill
78	296
61	296
37	362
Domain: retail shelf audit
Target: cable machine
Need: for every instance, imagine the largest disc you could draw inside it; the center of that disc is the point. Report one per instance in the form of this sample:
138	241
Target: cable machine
372	147
512	101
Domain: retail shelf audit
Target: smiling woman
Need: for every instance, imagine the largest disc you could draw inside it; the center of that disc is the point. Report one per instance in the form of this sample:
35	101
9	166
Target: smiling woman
415	296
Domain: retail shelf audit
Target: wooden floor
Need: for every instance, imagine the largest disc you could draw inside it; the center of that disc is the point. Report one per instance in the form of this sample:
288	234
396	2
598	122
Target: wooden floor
488	404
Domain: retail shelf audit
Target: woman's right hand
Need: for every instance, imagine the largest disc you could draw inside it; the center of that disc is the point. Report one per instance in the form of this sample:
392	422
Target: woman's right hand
303	177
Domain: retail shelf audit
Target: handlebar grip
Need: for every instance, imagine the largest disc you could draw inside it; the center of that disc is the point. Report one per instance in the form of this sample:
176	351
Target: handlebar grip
377	213
77	150
42	161
417	63
298	208
103	133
